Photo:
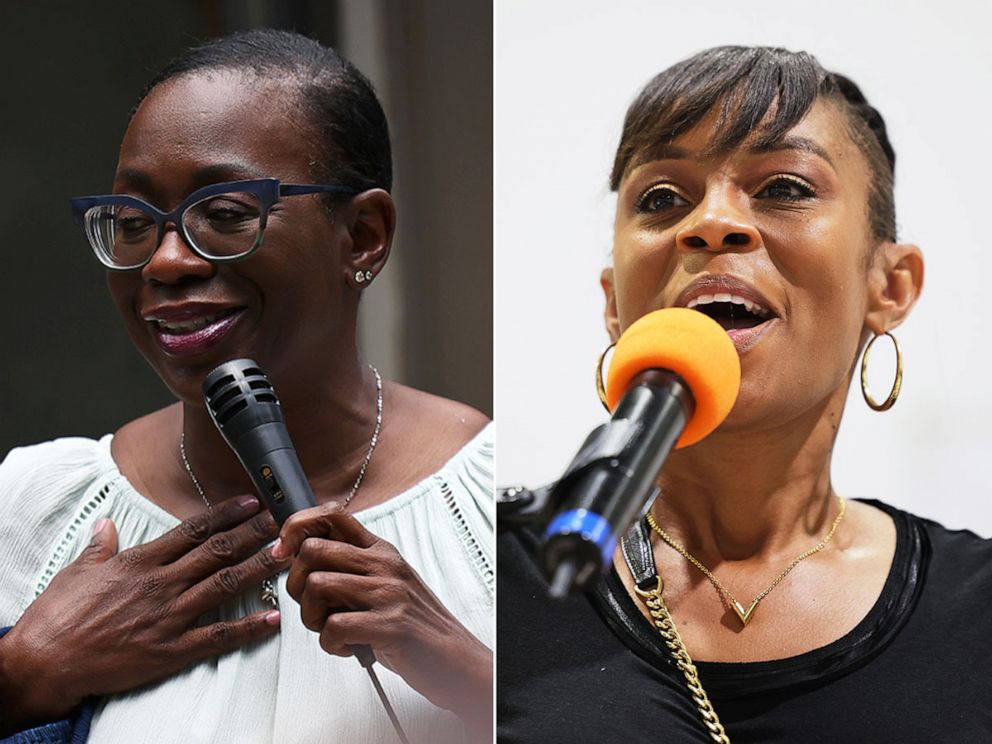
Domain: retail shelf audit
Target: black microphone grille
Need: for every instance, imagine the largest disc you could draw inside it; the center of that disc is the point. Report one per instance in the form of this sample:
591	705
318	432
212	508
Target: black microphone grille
234	386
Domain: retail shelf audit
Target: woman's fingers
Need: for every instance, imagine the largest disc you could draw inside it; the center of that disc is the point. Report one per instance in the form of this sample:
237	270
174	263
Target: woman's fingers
103	544
316	554
342	631
350	529
326	593
143	594
229	582
229	635
327	520
225	549
194	531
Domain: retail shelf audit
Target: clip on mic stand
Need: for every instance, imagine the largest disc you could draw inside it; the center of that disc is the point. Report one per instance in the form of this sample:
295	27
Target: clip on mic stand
518	507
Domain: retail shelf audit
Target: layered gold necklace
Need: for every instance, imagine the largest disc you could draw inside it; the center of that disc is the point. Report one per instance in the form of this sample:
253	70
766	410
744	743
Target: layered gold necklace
737	607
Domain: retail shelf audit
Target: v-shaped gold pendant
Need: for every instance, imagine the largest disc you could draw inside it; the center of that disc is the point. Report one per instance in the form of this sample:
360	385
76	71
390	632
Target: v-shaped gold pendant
744	615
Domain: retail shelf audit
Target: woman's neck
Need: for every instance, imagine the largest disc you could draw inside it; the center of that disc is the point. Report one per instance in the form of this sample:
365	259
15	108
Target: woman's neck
330	420
737	496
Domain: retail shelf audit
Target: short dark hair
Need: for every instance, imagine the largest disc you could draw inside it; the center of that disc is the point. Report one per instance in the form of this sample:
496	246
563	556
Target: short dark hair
746	82
338	100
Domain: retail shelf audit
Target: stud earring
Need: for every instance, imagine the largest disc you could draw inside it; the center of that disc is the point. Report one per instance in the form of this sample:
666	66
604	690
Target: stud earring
363	276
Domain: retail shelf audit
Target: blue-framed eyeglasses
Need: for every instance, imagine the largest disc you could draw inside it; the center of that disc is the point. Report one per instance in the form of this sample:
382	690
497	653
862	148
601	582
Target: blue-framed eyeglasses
221	222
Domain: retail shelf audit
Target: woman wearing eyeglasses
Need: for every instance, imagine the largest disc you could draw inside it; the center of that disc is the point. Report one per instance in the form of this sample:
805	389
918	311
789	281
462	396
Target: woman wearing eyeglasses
250	209
753	602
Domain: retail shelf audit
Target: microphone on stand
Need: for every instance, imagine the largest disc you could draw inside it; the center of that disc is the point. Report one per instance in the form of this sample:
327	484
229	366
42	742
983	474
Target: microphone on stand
674	377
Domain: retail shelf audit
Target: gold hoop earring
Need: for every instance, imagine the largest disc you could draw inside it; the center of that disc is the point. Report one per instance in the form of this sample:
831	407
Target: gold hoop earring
896	386
600	387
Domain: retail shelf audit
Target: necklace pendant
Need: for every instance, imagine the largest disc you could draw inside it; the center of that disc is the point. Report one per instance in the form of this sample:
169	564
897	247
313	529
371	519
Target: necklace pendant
744	615
269	593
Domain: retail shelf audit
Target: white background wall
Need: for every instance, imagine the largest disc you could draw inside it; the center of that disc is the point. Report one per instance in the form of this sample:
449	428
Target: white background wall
565	73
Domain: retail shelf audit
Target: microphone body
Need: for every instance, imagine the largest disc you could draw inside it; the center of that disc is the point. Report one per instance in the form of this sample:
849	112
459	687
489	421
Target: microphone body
243	405
606	495
674	377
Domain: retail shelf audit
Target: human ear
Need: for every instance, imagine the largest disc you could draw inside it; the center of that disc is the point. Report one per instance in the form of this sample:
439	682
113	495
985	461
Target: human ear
370	218
610	312
895	280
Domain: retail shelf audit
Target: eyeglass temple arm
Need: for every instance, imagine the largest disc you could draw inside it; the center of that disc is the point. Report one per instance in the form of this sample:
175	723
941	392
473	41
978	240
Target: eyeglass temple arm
293	189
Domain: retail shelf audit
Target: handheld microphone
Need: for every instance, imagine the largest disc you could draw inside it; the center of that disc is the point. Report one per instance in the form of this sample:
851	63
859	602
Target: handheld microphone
243	405
674	377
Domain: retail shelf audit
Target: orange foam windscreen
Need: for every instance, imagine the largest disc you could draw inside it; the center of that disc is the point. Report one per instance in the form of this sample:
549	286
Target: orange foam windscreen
692	345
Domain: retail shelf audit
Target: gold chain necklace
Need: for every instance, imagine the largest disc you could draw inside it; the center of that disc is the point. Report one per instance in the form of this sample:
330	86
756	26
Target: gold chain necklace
737	607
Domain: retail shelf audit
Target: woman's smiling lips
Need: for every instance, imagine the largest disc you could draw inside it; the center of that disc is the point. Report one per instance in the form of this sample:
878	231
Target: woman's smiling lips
737	306
190	328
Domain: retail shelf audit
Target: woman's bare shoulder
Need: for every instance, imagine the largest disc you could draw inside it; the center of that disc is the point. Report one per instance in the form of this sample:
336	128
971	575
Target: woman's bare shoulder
149	429
426	430
138	444
435	416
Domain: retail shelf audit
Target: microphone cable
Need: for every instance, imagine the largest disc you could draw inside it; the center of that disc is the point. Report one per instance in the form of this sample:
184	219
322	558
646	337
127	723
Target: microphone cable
367	660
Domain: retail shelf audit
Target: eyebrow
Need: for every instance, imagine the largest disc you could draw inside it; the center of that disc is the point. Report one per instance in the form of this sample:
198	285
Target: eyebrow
219	172
211	174
667	151
137	178
795	143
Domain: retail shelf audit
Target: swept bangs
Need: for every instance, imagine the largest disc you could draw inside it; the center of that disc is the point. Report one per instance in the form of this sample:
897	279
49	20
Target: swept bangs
757	94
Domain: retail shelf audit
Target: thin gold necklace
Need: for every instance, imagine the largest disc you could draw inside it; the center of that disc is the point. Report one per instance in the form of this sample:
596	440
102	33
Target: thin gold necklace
737	607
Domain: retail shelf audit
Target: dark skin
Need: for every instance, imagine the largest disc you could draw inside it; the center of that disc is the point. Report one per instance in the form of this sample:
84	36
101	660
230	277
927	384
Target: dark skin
297	305
757	492
391	610
110	621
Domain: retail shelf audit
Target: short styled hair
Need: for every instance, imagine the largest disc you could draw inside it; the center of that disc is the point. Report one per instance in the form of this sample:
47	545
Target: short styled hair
761	93
339	102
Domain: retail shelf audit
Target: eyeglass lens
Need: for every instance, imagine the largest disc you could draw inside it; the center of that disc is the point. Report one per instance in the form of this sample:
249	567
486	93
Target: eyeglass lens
220	226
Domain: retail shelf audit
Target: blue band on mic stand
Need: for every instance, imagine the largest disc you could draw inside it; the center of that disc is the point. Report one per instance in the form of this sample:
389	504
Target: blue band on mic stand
590	526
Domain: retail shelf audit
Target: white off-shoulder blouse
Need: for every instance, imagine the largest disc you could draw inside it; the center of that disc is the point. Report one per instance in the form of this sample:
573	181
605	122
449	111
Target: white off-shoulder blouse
285	689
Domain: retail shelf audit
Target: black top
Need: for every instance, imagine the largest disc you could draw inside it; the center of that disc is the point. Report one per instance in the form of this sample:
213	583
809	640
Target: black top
917	668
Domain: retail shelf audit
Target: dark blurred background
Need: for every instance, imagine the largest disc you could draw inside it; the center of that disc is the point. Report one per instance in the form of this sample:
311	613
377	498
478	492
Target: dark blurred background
73	71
